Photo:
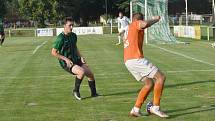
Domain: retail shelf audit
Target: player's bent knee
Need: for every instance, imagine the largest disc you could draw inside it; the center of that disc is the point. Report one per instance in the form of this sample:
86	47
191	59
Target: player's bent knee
91	76
161	78
148	83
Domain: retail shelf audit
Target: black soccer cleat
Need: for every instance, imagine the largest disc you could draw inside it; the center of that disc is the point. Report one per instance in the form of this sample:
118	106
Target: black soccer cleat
95	95
77	95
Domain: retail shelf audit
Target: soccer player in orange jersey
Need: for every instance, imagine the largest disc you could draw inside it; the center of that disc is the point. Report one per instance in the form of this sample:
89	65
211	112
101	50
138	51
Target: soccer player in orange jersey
141	68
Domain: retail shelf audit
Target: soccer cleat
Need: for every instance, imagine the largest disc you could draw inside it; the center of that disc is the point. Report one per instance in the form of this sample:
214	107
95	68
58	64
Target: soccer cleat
77	95
156	110
118	43
135	114
148	106
95	95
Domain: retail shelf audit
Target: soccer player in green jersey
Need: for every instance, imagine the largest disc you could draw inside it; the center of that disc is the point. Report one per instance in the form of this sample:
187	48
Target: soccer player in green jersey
2	36
70	59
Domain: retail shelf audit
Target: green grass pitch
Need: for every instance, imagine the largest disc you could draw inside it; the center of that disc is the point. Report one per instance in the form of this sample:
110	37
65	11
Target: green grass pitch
33	87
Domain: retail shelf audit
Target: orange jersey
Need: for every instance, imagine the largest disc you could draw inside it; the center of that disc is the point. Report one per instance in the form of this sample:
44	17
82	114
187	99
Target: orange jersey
134	42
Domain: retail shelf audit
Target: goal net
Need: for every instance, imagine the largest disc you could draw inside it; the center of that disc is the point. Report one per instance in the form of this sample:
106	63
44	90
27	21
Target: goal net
159	32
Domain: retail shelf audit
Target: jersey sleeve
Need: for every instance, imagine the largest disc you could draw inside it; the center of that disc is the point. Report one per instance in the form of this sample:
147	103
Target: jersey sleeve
128	20
58	42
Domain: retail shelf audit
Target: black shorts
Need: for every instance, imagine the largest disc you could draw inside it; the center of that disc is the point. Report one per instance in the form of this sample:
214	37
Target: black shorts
79	63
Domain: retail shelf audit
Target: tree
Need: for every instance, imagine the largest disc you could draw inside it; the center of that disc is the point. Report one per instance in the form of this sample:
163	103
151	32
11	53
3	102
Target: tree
40	10
2	8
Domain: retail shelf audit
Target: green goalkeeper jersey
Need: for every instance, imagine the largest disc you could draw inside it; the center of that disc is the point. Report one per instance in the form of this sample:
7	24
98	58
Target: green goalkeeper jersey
66	46
1	25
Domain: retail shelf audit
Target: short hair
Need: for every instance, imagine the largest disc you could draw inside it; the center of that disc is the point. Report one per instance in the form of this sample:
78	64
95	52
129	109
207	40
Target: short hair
121	12
138	16
67	19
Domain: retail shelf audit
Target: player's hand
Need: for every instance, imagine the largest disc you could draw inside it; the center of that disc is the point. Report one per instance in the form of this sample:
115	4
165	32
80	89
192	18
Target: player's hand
69	63
156	17
83	60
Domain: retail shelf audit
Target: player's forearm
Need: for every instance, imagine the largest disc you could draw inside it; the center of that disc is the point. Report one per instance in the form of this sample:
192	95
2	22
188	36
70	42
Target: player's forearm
151	22
57	55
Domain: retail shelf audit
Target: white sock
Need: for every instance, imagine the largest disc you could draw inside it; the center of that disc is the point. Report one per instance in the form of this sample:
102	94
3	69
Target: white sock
156	107
119	38
136	109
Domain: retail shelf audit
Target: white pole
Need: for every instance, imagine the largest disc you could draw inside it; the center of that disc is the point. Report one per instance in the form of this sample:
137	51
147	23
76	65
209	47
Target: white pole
186	13
213	7
111	26
9	32
208	33
146	30
131	10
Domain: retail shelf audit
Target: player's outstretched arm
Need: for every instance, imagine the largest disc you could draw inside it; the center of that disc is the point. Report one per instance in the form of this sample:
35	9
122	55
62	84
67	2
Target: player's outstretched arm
154	20
148	23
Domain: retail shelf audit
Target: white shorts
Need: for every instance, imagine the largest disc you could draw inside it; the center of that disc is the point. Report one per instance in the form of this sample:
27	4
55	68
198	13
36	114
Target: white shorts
141	68
121	30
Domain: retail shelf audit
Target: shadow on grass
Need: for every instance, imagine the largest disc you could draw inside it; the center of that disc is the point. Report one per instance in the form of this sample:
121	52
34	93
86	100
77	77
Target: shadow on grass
189	83
185	111
113	94
122	93
167	86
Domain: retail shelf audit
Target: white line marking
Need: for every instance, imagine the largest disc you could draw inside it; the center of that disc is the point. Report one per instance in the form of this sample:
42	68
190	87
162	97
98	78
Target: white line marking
39	46
186	56
185	71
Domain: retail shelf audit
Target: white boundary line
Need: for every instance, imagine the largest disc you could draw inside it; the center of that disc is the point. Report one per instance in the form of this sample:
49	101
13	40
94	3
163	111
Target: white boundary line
39	46
186	56
185	71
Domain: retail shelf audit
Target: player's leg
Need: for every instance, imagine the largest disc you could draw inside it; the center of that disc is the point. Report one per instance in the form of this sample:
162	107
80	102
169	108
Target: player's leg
1	37
144	92
79	72
120	36
2	40
159	78
91	80
158	87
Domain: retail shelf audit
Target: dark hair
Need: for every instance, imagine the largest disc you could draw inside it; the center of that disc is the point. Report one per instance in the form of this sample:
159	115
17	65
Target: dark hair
121	12
67	19
138	16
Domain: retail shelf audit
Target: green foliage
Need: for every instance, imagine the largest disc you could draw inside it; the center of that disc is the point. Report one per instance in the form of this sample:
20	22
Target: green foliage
2	8
40	10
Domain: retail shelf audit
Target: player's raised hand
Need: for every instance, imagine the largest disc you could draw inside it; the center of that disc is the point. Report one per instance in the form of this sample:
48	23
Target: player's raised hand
69	63
156	17
83	60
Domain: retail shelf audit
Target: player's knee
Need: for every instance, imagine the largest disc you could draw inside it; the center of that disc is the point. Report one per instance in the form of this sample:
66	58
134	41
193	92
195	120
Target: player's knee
161	78
91	76
81	72
149	84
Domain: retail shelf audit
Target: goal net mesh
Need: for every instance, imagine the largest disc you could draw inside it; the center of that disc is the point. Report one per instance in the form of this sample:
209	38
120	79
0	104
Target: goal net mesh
159	32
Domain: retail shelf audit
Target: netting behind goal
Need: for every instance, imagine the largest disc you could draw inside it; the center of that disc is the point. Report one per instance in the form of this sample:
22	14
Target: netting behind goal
159	32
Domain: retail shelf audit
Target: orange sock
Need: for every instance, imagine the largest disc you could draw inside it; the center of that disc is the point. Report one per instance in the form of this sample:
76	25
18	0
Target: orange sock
158	89
144	92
